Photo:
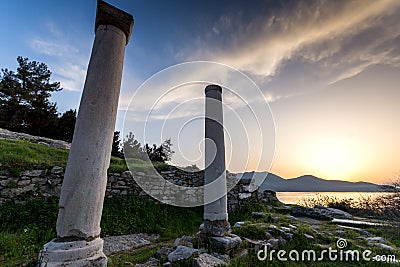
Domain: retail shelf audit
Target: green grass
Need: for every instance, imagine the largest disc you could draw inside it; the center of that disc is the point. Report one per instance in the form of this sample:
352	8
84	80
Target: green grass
18	155
26	227
137	256
133	214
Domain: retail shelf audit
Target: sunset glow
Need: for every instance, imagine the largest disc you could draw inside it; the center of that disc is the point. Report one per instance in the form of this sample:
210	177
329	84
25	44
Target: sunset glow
330	71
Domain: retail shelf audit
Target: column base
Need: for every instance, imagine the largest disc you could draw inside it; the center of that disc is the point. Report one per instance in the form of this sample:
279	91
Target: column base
215	228
76	253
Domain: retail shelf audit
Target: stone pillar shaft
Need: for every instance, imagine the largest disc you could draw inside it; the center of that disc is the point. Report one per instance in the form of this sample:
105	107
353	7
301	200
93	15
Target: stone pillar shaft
85	178
215	213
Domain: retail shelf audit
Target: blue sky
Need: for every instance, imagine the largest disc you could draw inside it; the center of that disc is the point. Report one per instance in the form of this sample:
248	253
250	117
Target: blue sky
329	69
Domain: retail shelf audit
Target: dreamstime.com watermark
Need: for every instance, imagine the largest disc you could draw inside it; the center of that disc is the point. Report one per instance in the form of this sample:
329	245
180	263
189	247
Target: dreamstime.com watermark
329	254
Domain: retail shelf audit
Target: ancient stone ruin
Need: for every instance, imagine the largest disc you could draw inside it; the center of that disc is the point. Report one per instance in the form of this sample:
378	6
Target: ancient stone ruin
215	213
215	232
78	241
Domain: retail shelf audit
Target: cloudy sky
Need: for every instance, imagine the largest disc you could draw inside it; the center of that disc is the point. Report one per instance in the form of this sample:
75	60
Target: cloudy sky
330	71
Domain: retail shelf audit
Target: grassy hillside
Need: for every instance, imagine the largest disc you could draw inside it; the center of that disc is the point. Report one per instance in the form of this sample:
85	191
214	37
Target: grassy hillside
18	155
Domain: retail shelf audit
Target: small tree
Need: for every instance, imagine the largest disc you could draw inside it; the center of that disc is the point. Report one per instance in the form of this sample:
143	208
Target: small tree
131	147
24	99
116	146
66	125
162	153
13	107
167	149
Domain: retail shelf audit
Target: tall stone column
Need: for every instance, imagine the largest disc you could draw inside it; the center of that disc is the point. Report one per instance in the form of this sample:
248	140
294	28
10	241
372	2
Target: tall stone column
78	241
215	213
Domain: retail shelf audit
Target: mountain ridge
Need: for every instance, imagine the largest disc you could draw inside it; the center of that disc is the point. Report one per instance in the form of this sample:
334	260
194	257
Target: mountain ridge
308	183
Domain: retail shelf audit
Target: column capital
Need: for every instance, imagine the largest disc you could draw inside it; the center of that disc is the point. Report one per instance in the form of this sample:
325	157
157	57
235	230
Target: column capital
107	14
213	87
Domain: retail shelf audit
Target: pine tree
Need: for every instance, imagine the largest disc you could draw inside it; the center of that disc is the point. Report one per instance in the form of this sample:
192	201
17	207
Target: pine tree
24	99
66	125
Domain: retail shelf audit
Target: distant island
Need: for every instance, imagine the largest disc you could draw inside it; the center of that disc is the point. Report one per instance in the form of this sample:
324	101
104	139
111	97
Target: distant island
310	183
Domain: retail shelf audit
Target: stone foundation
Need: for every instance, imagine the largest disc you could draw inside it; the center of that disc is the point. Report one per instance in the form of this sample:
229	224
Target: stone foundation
215	228
73	254
47	182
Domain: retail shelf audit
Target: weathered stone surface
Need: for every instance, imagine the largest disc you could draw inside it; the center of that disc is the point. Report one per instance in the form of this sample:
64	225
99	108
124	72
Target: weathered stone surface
84	185
238	224
269	197
216	207
273	227
355	222
162	254
384	246
43	143
244	195
110	15
207	260
126	242
6	134
4	182
320	212
77	253
361	231
32	173
181	253
24	182
184	241
49	184
90	154
216	228
291	217
376	239
4	172
225	243
57	170
309	237
285	229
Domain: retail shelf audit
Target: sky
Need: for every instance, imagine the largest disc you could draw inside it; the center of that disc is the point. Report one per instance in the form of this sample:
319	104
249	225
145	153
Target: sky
326	77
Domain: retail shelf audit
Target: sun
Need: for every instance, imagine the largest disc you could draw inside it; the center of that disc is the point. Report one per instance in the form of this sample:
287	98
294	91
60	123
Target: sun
334	158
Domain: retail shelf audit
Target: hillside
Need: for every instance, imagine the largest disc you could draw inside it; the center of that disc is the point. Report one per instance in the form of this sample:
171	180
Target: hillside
309	183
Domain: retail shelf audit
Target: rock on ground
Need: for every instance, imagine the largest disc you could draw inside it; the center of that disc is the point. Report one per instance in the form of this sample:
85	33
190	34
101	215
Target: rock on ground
207	260
225	243
114	244
181	253
6	134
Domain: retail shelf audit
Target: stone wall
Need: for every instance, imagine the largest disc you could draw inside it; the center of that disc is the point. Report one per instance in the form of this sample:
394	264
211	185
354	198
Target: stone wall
47	182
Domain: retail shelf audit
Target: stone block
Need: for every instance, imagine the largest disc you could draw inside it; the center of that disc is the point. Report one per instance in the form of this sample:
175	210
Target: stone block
181	253
225	243
162	254
32	173
207	260
57	170
24	182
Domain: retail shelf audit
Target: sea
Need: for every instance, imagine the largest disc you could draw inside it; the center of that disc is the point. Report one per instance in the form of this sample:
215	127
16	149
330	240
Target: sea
298	197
